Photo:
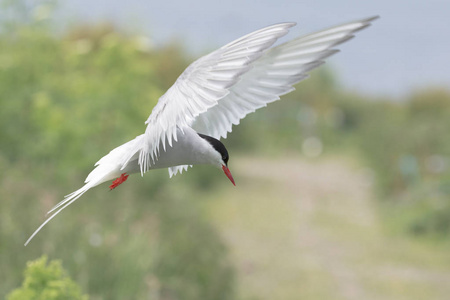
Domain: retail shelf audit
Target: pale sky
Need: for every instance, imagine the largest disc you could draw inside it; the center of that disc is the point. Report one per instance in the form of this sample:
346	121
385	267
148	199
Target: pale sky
408	48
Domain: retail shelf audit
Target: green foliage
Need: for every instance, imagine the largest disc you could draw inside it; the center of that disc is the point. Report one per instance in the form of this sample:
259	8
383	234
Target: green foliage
189	252
407	146
423	211
46	282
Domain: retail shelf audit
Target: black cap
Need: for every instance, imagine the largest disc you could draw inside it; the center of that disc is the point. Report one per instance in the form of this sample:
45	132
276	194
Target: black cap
218	146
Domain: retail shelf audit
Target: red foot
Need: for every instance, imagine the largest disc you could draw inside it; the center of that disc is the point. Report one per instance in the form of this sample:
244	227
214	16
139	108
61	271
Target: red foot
119	181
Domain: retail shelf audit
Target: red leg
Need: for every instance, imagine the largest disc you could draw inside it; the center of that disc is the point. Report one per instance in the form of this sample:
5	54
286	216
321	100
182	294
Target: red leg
119	181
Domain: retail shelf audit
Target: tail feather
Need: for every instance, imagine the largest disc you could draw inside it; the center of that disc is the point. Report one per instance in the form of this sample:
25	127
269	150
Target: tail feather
107	168
69	199
70	196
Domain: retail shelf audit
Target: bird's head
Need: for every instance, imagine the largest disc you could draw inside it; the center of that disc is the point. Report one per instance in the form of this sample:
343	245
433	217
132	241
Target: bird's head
220	154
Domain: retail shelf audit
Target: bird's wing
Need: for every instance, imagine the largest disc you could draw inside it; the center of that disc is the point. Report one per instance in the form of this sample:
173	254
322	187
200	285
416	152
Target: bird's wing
273	75
200	87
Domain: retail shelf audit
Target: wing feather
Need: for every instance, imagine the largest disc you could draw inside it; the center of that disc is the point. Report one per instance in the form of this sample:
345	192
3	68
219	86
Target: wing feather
273	75
178	169
200	87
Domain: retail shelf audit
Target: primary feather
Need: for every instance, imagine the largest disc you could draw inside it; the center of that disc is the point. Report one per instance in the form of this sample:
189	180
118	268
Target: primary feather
274	75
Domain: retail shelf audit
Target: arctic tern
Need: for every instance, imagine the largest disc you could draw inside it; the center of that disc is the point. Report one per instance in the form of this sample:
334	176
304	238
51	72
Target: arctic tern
210	96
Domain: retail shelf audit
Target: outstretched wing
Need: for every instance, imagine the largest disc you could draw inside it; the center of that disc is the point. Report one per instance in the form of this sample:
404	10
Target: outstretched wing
200	87
273	75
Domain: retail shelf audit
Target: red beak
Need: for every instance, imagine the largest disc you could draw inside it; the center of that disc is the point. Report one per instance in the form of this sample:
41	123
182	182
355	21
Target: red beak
228	173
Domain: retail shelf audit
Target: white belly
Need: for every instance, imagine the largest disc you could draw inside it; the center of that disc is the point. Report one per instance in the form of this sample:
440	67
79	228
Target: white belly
190	149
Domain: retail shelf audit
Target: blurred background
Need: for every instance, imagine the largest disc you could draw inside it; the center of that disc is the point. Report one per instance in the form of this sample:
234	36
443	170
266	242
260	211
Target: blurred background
342	187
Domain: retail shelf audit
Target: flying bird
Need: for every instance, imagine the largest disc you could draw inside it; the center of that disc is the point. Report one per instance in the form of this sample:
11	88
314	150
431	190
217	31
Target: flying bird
209	97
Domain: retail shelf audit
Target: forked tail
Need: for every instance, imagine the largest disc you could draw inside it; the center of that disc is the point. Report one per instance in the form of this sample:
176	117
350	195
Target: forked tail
69	199
107	168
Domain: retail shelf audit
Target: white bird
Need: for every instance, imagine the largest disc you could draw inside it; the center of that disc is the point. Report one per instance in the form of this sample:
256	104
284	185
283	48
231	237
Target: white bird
212	94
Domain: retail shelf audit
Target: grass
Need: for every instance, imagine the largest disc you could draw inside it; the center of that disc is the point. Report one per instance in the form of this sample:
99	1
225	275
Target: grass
302	229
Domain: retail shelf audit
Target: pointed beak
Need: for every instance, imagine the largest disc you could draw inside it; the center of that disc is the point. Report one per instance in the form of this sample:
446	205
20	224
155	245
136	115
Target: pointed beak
228	173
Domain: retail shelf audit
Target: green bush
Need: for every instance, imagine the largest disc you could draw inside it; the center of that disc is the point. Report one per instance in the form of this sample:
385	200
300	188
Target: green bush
46	282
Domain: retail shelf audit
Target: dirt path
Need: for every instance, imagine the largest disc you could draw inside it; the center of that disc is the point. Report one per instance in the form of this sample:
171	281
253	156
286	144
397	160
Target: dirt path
303	230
